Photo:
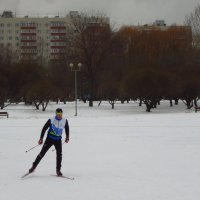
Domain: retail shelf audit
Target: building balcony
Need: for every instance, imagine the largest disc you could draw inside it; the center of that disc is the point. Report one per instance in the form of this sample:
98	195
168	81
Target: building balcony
58	40
58	33
28	27
28	40
58	53
58	59
28	47
29	53
58	47
58	27
28	34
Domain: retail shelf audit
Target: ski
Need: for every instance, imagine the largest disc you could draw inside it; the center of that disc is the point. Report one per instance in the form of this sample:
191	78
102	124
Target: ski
25	175
70	178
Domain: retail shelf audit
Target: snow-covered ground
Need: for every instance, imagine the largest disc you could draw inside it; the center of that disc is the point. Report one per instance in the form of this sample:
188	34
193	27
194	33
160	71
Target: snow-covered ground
120	154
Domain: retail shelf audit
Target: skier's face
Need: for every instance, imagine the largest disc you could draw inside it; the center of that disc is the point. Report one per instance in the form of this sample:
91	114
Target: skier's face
59	115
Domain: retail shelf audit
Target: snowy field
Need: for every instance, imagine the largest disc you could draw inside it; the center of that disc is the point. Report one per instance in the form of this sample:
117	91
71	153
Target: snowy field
120	154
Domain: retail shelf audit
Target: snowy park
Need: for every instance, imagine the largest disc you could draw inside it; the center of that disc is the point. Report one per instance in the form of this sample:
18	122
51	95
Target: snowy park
113	154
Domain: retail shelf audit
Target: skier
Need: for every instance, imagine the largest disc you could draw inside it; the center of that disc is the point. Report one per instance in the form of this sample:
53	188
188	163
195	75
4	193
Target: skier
54	137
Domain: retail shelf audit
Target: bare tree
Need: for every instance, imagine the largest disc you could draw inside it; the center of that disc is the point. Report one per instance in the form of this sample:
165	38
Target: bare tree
6	59
193	20
41	57
41	93
91	40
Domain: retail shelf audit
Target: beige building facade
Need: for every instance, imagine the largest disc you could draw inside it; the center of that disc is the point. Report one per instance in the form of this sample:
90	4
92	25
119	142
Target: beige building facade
41	37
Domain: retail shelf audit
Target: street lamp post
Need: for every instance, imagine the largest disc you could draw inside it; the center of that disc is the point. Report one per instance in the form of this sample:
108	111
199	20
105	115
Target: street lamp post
75	70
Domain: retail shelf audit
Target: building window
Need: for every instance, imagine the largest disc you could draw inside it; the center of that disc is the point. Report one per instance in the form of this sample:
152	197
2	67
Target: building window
28	31
57	23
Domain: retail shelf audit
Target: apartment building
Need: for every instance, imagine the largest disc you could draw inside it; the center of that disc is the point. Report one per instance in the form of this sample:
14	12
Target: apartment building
182	35
40	37
37	37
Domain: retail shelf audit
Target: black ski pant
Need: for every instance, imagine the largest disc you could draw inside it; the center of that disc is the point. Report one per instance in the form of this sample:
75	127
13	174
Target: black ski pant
47	144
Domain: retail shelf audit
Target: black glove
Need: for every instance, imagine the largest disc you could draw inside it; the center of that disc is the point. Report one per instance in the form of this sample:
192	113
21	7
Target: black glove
40	141
66	140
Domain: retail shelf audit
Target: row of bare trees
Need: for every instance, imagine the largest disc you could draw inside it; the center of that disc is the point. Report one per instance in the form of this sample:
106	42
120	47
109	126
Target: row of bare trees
34	84
151	66
131	63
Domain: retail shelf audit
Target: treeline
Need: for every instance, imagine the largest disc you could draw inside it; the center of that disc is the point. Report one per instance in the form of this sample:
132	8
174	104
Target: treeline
128	64
151	66
34	84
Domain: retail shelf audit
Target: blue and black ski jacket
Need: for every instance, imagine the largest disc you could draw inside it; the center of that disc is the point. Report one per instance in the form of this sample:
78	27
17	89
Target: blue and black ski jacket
55	127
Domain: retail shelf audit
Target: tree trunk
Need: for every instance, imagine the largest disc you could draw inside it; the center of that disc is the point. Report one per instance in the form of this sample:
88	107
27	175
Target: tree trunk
148	108
195	102
188	103
84	99
37	105
99	103
44	105
90	103
176	101
171	103
112	103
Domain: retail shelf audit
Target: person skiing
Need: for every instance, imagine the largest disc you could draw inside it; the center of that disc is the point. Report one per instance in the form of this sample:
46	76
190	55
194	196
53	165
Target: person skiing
55	128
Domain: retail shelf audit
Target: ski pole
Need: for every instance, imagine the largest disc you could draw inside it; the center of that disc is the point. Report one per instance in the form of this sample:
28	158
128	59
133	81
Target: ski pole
32	148
55	149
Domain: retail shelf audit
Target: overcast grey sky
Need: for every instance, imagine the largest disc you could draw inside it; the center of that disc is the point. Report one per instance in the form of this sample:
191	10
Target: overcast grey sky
120	11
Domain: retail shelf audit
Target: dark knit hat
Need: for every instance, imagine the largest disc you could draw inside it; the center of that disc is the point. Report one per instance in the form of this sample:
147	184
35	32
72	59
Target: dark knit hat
59	110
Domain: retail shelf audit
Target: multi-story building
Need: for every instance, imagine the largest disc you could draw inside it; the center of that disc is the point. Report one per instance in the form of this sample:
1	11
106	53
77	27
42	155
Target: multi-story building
182	35
44	38
27	37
